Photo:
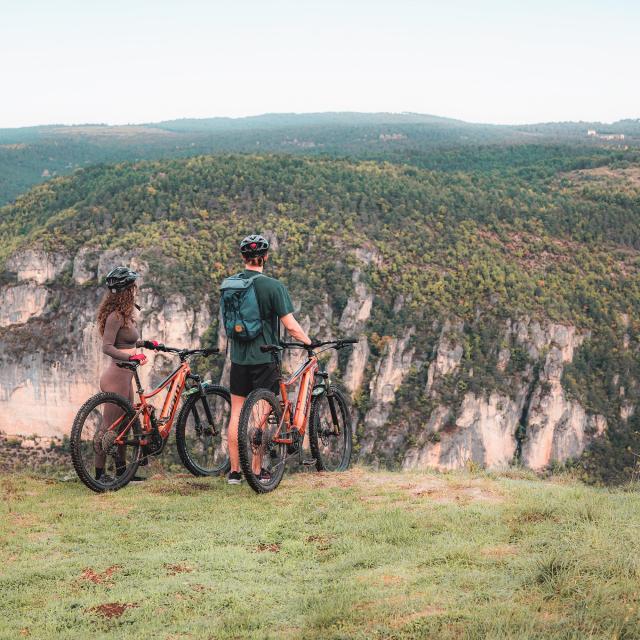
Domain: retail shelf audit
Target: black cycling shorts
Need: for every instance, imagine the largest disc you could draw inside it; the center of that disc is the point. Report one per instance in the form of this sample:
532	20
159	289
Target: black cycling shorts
247	377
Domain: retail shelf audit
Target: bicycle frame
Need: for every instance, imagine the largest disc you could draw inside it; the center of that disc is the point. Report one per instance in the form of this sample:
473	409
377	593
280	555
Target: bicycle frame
297	418
176	382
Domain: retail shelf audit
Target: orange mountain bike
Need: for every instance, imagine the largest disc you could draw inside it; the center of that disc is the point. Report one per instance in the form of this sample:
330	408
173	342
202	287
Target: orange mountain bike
272	429
111	433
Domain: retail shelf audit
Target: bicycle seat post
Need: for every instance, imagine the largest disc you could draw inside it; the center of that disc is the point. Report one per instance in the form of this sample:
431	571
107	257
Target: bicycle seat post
138	384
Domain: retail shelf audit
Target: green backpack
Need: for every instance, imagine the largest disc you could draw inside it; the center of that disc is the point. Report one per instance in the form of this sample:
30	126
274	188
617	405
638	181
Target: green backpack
239	308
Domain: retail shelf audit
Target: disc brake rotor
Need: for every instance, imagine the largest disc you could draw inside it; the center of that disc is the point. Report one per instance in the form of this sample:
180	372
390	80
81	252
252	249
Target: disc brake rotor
326	434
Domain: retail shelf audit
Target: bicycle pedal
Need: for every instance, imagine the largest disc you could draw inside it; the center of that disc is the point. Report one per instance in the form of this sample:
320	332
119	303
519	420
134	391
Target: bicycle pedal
309	462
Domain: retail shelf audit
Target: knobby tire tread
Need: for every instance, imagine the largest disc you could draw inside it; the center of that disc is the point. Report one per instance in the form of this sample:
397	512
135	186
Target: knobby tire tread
75	439
245	462
181	425
343	407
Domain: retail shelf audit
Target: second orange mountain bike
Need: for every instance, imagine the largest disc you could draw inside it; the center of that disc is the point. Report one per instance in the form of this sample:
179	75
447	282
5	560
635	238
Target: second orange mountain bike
272	429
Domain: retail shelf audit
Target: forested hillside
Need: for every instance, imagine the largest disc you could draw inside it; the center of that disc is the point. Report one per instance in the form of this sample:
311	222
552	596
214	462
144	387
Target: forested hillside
32	155
456	267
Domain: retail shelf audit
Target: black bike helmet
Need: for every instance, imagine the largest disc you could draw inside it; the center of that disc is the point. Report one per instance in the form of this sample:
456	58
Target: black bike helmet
254	246
120	278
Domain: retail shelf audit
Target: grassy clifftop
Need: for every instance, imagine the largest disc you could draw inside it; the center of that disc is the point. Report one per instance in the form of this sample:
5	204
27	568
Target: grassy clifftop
355	555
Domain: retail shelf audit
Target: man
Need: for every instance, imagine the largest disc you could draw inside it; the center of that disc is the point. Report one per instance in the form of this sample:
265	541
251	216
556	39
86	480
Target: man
251	368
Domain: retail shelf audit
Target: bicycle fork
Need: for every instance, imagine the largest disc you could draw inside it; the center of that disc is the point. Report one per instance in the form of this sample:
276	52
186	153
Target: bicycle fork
325	387
207	409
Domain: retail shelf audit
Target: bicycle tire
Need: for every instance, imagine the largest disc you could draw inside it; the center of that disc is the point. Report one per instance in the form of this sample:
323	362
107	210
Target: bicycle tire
76	440
181	442
314	423
243	427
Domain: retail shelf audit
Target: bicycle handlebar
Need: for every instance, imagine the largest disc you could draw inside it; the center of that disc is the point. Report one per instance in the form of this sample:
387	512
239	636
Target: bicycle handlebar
338	344
184	353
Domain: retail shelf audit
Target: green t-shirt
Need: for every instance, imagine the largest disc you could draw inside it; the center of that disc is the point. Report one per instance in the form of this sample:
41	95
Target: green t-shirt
274	302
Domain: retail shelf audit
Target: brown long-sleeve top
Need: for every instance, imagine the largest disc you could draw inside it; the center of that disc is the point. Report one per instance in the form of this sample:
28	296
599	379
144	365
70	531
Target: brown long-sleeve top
118	335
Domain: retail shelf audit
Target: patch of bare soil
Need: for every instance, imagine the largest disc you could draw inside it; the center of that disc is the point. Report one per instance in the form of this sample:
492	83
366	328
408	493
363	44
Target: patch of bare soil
375	487
272	547
174	569
344	480
440	491
96	577
112	609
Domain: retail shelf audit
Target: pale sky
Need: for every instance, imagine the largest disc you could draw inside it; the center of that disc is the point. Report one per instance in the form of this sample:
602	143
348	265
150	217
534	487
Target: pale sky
130	61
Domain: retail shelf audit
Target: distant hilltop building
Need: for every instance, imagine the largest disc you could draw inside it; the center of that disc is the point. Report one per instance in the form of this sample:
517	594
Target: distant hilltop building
605	136
392	136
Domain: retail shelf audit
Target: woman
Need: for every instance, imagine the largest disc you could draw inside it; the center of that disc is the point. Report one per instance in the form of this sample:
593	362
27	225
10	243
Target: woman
120	337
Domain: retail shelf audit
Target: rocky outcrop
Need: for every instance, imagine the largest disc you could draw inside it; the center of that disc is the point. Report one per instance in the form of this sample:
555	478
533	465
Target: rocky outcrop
484	429
557	428
483	433
448	352
37	265
352	323
390	371
21	302
50	355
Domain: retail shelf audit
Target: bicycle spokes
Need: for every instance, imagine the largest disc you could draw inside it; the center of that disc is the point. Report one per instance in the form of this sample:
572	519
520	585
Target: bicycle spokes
205	434
331	433
263	427
107	445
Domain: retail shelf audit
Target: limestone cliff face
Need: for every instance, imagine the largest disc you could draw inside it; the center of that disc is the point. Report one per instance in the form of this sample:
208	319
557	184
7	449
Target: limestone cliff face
557	428
50	362
37	265
21	302
485	430
50	350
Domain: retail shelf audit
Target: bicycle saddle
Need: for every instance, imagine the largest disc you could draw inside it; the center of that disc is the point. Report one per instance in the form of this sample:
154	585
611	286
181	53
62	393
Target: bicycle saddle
128	365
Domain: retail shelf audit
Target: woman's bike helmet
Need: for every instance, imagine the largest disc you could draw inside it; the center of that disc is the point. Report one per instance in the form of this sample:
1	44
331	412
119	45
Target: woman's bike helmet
254	246
120	278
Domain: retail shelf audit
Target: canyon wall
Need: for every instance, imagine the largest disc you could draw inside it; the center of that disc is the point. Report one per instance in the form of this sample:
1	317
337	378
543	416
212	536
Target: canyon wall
412	404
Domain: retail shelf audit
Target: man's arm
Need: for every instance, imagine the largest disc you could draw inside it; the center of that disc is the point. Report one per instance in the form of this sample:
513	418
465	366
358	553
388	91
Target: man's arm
294	328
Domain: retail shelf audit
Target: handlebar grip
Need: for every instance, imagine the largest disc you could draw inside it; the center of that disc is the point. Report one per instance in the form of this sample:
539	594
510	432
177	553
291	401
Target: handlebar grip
210	352
349	341
267	348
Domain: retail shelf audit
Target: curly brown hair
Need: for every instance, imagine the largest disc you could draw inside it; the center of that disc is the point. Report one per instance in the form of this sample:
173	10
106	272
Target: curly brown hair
122	302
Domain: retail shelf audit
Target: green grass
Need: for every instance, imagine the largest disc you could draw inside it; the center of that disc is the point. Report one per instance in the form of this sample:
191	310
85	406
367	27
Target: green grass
356	555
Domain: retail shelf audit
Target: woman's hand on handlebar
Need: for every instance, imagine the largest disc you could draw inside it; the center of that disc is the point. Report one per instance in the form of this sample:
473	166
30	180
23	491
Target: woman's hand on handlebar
138	358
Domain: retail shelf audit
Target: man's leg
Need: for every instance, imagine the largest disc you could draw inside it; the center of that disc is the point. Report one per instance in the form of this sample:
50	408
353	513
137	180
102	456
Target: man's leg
234	419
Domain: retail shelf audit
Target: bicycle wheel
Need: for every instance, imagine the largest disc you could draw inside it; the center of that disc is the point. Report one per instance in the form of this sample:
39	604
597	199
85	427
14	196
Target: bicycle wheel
203	447
259	424
330	432
101	419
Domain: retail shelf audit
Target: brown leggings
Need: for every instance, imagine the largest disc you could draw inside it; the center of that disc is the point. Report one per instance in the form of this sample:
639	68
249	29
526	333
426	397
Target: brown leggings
118	381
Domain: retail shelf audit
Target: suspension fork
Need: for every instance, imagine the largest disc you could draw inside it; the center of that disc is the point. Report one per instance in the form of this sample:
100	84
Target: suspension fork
205	404
332	406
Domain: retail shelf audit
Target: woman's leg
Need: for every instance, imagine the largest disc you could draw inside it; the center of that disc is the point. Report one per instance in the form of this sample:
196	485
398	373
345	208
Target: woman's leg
115	380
